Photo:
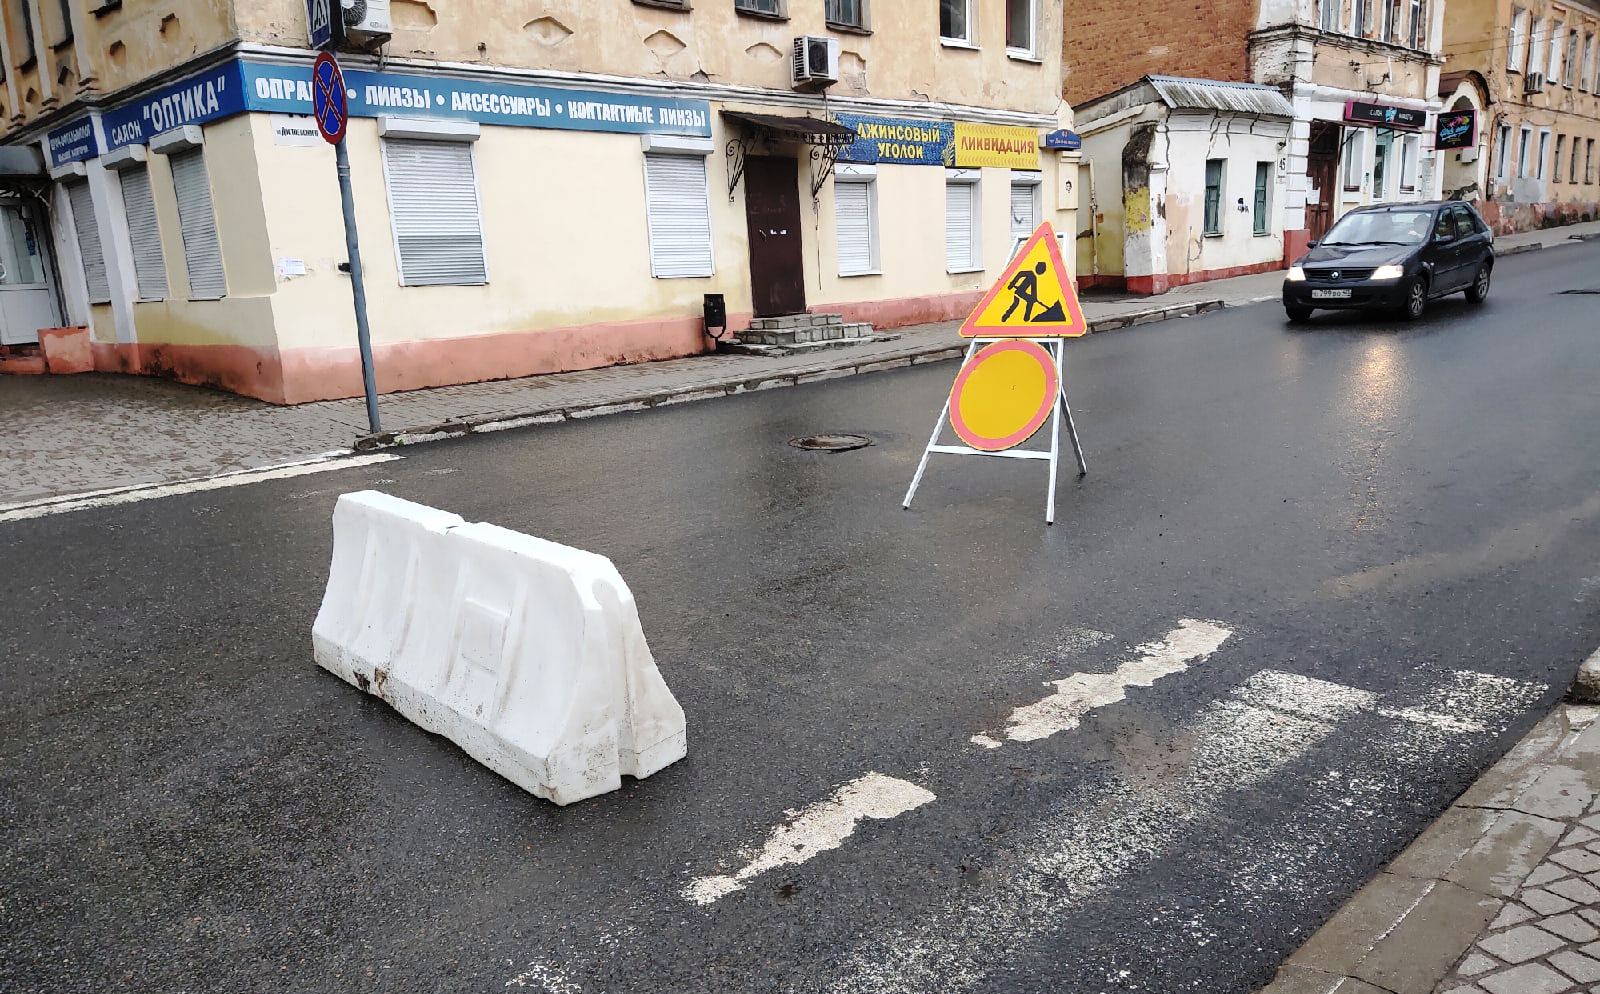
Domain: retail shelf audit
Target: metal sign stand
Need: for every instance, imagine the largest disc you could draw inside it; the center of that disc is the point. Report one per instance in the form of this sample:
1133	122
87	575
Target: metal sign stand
1063	411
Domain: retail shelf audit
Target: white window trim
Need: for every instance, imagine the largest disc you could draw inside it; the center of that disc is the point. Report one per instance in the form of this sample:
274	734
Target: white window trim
127	157
423	129
477	195
1020	177
1524	150
971	38
862	174
689	148
1353	140
178	140
1031	53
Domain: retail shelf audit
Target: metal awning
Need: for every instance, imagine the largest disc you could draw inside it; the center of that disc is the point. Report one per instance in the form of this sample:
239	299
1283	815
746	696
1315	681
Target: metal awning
805	130
21	162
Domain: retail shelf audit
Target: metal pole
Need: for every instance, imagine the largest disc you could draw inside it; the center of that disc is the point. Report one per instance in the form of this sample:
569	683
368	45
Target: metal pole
1055	442
1072	427
358	286
938	427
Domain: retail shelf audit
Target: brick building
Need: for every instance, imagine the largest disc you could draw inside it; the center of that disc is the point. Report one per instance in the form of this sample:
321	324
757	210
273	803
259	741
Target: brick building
1362	78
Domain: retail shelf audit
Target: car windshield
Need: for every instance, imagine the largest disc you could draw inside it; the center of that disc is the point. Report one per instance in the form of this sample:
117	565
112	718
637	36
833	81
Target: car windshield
1381	228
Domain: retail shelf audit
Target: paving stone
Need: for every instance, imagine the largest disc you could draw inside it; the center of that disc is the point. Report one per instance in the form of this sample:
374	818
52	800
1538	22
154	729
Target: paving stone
1502	859
1570	927
1426	941
1512	914
1299	980
1592	949
1465	989
1546	903
1517	771
1544	873
1575	889
1476	963
1529	978
1437	851
1558	792
1523	943
1577	966
1590	915
1578	836
1577	860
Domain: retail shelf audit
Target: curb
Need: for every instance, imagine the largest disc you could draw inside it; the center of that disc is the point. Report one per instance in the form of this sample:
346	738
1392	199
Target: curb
1586	686
933	352
1519	250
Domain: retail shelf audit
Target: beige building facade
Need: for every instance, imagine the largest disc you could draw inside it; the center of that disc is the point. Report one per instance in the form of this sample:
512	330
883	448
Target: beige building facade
539	186
1528	73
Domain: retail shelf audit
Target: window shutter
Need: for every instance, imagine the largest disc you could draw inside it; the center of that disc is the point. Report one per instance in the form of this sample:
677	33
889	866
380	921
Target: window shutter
149	267
89	247
678	208
958	204
853	212
433	199
1023	220
201	251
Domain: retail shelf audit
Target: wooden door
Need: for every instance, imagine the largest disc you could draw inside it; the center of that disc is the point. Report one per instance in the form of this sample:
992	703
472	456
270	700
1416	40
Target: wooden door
772	215
1322	173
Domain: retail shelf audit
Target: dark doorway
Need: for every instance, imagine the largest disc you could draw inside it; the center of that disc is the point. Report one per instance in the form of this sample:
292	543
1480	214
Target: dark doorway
1322	172
772	213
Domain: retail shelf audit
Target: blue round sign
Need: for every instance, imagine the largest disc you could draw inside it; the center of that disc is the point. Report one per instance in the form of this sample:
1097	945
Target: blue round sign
329	103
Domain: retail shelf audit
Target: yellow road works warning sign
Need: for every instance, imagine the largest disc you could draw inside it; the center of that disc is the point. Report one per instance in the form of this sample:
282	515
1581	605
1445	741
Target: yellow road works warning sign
1034	297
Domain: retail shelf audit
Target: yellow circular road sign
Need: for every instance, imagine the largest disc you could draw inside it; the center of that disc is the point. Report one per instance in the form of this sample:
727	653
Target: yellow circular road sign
1004	395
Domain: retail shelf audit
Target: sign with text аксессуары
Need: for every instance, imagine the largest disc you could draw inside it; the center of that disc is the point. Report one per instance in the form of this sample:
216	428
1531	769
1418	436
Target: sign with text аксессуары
73	142
896	140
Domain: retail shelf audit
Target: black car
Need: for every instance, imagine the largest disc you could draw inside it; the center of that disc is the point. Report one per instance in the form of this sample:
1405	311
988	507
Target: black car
1394	256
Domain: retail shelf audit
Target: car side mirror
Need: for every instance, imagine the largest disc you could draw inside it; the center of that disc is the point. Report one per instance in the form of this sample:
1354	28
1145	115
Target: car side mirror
1311	245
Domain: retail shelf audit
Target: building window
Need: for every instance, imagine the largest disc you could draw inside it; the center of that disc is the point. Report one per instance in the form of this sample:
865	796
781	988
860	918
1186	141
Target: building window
955	22
855	213
1330	12
1213	197
762	8
1516	45
962	241
66	23
1503	168
670	4
1536	47
1263	223
1544	153
90	249
1523	141
1352	155
1419	24
433	201
1024	207
1021	22
149	265
1363	23
1572	68
1572	167
1588	161
202	251
678	209
1561	148
1395	31
1553	74
1410	145
847	13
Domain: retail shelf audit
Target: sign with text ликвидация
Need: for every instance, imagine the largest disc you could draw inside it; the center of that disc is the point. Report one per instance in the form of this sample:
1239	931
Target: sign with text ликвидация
997	145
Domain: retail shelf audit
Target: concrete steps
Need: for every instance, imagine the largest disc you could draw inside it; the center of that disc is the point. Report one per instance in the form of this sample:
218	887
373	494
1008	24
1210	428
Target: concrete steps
799	333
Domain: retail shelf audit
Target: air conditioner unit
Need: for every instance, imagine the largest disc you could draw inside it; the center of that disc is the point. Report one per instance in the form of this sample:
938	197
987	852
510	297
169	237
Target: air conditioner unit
366	22
816	62
1533	82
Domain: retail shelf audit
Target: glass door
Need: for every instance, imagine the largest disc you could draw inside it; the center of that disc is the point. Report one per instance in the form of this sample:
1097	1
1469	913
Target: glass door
27	293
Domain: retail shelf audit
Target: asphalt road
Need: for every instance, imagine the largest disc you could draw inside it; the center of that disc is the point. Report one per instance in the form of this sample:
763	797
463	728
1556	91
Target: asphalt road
1392	530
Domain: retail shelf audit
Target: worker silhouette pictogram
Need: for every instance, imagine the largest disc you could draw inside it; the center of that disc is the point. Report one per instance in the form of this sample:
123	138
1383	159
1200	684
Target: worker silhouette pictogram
1025	294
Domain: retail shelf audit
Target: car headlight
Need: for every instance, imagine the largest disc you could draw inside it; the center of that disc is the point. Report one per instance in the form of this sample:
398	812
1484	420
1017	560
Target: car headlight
1388	272
1296	274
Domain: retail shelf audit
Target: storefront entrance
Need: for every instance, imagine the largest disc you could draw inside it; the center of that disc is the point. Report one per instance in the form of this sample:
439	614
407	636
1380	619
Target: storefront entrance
27	290
1322	173
772	214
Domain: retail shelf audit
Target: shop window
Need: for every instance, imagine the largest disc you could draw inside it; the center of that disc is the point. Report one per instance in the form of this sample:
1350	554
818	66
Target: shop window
1410	145
1262	220
962	241
149	266
1024	207
678	206
762	8
855	211
1021	25
202	251
1517	44
90	249
847	14
1213	196
1561	149
955	22
433	201
1351	155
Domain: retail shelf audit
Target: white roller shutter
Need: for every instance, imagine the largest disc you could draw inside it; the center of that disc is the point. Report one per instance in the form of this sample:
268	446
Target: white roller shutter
679	210
433	199
1024	209
960	247
853	217
149	266
202	252
90	249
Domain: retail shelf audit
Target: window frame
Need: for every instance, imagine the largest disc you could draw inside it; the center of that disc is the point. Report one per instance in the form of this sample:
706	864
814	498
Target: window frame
1031	53
154	235
1211	221
1572	172
1516	42
781	14
865	27
1410	162
711	233
79	224
477	196
1330	16
1570	67
1553	68
1361	22
1353	156
684	5
1034	183
1418	37
973	180
1524	149
1544	152
1536	50
1503	167
1584	81
1588	161
859	176
1393	17
970	39
1261	204
31	56
1561	147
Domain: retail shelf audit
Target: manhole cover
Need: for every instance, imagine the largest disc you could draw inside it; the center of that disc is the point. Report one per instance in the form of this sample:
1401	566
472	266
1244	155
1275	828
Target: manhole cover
831	443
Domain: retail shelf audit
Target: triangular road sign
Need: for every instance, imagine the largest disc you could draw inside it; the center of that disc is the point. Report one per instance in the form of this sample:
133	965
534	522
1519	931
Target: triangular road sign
1034	297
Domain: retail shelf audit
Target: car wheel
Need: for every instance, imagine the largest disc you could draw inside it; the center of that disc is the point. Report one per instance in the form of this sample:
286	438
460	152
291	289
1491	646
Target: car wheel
1478	292
1416	299
1297	314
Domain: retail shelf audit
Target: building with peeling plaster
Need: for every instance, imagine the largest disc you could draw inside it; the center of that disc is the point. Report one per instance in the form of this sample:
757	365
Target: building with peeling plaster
542	185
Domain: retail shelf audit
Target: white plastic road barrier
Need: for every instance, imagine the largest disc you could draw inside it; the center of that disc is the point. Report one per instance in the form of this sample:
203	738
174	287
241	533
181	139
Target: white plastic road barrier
527	654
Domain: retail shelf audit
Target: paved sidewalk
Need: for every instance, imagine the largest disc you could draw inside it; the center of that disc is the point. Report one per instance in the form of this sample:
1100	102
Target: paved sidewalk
74	434
1500	896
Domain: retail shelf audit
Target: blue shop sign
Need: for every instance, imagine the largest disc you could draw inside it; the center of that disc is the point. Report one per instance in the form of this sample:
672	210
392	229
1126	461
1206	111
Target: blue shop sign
208	96
281	89
897	140
73	142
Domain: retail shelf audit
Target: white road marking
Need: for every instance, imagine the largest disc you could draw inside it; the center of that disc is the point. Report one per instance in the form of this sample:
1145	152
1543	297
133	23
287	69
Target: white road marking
816	829
132	495
544	977
1192	641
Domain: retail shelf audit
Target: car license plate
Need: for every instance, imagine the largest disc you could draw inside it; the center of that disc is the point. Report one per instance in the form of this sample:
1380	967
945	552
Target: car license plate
1330	294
